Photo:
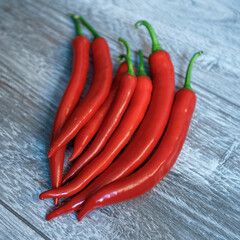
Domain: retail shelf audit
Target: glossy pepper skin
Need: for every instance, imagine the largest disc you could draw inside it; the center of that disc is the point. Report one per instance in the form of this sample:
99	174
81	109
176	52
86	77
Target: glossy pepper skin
85	135
160	163
150	130
98	92
70	99
132	118
119	139
126	87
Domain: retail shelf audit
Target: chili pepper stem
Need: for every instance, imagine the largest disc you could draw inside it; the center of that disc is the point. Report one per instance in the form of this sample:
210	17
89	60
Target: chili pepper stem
121	56
128	57
187	84
155	44
90	28
77	24
141	64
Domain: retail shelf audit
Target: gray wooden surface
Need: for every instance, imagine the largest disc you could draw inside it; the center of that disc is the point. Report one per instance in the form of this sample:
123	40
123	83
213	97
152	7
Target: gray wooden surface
199	198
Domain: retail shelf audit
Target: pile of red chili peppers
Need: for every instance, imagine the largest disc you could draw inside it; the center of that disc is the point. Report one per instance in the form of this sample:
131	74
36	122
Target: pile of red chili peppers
124	119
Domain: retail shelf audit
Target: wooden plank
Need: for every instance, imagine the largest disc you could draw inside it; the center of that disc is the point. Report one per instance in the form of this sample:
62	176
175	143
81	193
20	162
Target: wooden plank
199	199
181	42
13	227
27	175
215	63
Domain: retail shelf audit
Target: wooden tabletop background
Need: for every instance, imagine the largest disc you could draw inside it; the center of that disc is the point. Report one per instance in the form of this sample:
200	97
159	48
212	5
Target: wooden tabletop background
200	197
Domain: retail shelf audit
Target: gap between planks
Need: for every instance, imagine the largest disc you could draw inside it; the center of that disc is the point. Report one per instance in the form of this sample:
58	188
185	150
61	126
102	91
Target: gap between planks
24	220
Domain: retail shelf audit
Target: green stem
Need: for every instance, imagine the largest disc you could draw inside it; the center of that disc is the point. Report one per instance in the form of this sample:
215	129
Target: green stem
120	57
141	64
155	44
90	28
77	24
128	57
187	84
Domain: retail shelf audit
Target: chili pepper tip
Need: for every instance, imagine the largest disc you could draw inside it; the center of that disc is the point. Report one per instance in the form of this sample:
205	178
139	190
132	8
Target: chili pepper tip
71	158
41	196
49	217
79	218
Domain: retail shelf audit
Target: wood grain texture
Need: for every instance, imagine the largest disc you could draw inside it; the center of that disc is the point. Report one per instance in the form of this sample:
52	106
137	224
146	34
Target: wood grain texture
15	227
199	198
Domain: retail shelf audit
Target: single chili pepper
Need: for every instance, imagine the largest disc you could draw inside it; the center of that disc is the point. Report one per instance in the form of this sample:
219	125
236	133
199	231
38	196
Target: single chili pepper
162	160
120	103
119	139
70	99
85	135
131	120
150	130
100	87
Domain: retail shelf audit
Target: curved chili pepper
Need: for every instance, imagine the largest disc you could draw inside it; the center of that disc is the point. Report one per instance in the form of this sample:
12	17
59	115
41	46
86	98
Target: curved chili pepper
123	96
85	135
100	87
162	160
150	130
132	118
128	125
70	99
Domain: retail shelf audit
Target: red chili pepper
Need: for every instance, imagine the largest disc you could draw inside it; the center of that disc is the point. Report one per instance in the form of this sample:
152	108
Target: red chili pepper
162	160
132	118
85	135
150	130
87	156
70	99
100	87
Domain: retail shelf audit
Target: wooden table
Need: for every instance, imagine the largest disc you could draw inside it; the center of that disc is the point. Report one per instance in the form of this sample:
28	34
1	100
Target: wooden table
199	198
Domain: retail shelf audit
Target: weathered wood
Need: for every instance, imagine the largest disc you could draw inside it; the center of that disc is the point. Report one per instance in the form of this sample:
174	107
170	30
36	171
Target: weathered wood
16	227
199	198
